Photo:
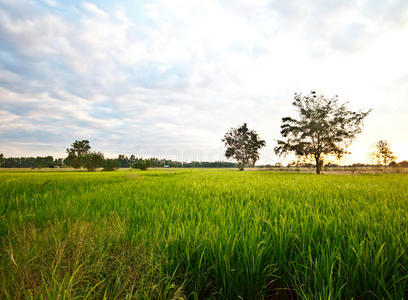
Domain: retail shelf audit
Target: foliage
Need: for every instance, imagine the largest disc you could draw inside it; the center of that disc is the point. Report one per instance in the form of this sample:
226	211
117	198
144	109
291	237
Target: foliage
207	164
110	164
403	164
73	161
243	145
76	153
123	161
383	154
126	162
92	160
202	234
322	127
142	164
30	162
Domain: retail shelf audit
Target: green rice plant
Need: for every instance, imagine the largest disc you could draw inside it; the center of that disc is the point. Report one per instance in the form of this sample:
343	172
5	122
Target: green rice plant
163	234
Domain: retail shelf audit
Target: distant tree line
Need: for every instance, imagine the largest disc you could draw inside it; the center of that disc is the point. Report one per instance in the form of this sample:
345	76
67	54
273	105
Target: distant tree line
79	158
393	164
127	162
30	162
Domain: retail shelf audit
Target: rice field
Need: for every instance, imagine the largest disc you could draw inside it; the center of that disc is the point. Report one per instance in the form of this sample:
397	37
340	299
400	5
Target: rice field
197	234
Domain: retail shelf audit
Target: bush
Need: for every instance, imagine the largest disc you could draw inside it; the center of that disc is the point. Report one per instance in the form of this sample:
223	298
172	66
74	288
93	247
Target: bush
142	164
93	160
110	164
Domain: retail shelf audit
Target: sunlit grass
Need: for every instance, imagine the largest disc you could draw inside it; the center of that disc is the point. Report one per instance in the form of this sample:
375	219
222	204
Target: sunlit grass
203	233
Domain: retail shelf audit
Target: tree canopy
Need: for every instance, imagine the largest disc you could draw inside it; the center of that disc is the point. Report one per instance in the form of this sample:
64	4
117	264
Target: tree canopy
76	153
93	160
323	126
142	164
383	154
243	145
110	164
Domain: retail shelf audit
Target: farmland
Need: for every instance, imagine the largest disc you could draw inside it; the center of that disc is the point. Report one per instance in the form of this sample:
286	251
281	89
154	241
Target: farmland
203	234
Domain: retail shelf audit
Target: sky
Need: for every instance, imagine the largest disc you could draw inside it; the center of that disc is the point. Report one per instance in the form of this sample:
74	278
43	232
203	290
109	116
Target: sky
168	78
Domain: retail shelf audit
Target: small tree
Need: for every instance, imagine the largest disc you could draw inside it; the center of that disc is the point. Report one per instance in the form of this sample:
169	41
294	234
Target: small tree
142	164
322	127
93	160
383	154
76	153
403	164
123	161
110	164
243	145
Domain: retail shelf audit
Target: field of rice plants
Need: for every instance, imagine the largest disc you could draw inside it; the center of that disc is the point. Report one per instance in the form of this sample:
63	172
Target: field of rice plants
199	234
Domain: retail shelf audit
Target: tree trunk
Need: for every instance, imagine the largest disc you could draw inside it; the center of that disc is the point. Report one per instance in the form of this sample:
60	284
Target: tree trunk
241	166
318	165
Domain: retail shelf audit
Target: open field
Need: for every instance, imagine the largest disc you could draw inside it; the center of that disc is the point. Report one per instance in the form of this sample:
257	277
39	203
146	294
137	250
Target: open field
203	234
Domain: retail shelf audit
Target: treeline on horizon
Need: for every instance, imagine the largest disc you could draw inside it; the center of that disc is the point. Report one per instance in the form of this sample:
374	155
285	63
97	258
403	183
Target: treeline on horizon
124	161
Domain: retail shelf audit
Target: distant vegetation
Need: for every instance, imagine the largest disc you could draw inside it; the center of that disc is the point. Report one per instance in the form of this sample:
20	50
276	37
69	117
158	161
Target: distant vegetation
109	164
127	162
30	162
142	164
123	161
383	154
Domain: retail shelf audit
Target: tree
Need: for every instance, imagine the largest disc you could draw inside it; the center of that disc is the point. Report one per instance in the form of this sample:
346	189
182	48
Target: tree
322	127
2	160
123	161
383	154
110	164
403	164
93	160
243	144
76	153
44	162
58	162
72	160
142	164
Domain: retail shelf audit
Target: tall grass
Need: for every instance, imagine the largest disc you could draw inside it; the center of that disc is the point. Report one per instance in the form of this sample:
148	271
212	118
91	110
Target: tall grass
203	234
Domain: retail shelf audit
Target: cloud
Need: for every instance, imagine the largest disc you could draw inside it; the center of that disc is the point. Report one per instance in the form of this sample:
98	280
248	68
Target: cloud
160	76
93	9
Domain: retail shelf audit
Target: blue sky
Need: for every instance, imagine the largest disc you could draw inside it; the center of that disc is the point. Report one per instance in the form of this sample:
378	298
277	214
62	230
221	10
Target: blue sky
169	78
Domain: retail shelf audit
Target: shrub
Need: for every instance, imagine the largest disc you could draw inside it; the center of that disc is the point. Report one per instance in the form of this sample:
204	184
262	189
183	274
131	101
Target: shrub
93	160
142	164
111	164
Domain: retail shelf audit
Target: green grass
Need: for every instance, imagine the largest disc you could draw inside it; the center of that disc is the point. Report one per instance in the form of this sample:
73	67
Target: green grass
203	234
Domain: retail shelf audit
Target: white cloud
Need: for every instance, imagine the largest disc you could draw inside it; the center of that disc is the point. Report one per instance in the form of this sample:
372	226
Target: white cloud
93	9
181	73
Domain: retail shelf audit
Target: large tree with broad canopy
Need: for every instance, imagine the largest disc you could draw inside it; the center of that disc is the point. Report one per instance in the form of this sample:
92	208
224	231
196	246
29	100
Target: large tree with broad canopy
322	127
